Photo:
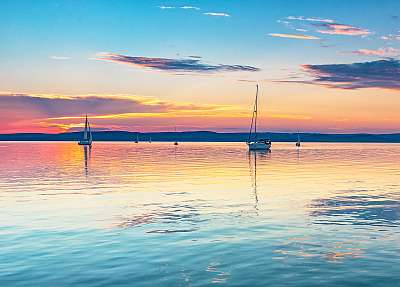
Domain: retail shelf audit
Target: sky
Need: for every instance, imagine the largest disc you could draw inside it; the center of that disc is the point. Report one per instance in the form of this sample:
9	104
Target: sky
322	66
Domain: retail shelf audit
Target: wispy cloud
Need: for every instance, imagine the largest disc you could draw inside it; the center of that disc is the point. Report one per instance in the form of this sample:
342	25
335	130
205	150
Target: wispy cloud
381	52
173	65
376	74
190	7
163	7
341	29
217	14
294	36
59	57
311	19
391	37
185	7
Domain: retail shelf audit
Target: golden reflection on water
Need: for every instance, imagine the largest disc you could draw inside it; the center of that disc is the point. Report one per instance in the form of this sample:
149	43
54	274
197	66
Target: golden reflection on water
287	181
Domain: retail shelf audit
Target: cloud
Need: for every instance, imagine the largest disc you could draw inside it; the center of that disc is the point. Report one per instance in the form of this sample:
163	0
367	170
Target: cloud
341	29
59	58
173	65
390	37
301	30
39	112
326	26
381	52
56	106
311	19
162	7
383	74
190	7
60	113
217	14
294	36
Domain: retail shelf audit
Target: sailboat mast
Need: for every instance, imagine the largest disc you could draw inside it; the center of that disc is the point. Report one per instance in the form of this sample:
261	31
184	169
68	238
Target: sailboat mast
254	118
256	113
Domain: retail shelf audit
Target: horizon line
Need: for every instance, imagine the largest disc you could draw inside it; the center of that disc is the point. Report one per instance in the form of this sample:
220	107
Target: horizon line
207	131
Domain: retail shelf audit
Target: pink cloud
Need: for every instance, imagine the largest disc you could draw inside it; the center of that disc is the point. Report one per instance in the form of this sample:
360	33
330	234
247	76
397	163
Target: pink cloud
381	52
342	29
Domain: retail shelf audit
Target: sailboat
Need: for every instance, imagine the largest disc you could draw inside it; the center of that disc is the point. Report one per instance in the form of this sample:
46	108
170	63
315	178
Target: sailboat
253	142
176	142
87	135
137	138
298	143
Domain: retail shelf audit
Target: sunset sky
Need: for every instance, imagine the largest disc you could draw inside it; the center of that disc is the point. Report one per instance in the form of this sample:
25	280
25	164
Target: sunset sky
322	66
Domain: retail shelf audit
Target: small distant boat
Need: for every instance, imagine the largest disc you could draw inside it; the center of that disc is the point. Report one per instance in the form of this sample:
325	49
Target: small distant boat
253	142
150	140
87	135
137	138
298	143
176	142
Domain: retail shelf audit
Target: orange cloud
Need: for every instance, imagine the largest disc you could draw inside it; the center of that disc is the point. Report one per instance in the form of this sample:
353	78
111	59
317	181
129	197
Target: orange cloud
294	36
32	113
60	113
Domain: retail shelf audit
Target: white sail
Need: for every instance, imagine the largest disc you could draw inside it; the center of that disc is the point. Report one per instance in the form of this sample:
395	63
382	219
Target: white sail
90	133
85	132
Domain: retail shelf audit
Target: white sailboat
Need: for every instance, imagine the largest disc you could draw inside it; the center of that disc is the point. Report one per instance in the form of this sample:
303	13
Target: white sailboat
298	143
253	142
87	135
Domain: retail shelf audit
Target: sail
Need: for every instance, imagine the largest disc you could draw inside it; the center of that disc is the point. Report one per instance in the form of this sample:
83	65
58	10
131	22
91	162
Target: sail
90	132
85	132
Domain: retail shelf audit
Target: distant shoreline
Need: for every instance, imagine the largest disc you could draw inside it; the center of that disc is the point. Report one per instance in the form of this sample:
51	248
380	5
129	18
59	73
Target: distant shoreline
204	136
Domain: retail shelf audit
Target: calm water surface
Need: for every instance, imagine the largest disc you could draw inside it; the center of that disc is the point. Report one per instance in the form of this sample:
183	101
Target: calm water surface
199	214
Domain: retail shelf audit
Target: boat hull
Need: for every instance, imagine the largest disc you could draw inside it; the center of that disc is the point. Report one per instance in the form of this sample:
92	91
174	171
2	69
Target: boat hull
259	145
85	143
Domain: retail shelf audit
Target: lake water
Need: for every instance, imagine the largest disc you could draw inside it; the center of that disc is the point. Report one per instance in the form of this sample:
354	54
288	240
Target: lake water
199	214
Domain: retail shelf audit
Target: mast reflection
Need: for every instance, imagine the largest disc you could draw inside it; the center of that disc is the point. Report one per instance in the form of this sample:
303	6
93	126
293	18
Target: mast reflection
87	150
262	154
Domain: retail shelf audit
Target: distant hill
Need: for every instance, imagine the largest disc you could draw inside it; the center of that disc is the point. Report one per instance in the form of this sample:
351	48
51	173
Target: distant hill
202	136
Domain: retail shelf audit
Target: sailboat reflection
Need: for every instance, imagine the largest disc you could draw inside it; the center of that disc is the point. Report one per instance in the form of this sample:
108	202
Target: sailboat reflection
253	171
87	150
298	156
